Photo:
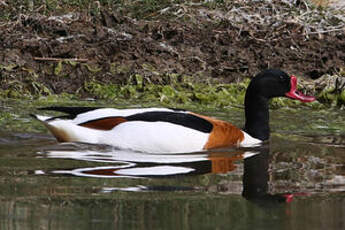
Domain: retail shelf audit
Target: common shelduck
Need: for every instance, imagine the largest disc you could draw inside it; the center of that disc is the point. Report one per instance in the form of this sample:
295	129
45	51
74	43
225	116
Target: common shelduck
164	130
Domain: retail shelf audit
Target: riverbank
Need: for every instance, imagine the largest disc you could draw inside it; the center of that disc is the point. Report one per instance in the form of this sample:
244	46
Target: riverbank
171	51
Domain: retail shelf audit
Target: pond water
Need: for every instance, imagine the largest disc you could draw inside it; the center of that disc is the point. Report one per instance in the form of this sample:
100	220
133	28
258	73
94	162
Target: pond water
296	181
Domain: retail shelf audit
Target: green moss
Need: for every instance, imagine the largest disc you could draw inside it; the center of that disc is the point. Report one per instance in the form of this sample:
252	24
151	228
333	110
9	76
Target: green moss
58	68
117	68
332	96
9	67
341	98
93	68
168	89
99	90
180	90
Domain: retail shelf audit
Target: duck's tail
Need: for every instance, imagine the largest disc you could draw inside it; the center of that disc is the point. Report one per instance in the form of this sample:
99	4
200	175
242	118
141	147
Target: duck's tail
66	130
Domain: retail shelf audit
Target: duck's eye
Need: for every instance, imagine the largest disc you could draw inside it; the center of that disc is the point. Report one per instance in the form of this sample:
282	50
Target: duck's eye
281	78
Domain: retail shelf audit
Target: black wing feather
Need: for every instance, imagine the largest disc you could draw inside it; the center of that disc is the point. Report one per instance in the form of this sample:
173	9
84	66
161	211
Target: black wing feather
184	119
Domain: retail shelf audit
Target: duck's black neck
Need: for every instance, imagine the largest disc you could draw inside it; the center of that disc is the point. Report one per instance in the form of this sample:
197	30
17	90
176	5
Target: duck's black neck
257	116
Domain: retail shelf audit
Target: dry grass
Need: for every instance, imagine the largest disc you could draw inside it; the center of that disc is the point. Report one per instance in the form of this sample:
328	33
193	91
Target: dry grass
269	14
328	2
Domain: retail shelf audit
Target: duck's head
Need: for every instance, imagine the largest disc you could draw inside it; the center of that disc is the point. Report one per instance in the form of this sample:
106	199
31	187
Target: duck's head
276	83
264	86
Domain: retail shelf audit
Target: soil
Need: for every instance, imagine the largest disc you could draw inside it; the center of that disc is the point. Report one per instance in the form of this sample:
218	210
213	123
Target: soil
202	43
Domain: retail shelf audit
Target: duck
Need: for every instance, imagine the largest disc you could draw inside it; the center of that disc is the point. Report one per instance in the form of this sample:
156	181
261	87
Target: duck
168	130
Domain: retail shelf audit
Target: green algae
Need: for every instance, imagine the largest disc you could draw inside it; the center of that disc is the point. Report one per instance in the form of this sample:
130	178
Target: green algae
178	90
169	90
332	96
58	68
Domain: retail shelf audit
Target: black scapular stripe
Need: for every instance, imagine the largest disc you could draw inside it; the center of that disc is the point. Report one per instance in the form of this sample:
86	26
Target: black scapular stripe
184	119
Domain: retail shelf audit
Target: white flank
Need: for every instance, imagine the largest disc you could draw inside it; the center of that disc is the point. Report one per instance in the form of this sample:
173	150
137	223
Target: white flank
249	141
155	137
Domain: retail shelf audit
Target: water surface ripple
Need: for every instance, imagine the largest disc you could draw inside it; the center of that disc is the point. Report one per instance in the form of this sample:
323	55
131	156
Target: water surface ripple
296	181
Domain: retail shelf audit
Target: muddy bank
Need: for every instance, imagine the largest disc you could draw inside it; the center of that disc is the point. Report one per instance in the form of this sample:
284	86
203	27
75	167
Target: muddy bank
222	42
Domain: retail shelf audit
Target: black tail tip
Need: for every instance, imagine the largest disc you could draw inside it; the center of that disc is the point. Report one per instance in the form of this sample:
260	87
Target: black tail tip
33	116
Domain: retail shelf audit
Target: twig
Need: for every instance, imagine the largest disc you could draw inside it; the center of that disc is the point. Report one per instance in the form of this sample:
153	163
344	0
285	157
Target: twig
60	59
326	31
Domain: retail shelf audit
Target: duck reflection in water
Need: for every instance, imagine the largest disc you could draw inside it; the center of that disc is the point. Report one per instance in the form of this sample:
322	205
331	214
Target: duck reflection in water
138	165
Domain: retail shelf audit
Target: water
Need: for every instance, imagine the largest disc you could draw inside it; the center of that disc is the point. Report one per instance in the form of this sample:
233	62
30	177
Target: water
297	181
